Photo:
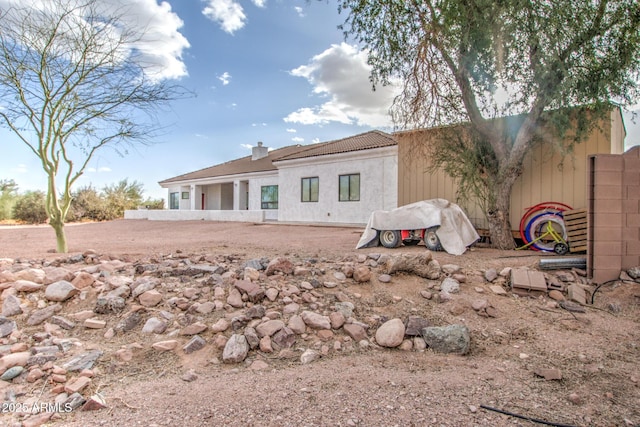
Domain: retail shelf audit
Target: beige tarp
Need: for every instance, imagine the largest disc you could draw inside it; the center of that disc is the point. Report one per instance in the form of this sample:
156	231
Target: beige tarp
455	230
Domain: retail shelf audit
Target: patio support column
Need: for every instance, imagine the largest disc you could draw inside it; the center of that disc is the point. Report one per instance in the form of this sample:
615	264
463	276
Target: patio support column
236	195
192	197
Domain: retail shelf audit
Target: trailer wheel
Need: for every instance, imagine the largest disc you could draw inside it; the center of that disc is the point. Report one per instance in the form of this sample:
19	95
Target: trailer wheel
390	238
561	248
431	239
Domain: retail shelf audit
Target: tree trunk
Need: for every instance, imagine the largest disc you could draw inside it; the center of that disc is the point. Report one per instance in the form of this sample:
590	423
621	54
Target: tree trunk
498	216
56	213
61	238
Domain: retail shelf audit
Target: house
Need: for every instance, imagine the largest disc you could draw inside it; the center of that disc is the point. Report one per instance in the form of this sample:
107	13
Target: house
339	181
343	181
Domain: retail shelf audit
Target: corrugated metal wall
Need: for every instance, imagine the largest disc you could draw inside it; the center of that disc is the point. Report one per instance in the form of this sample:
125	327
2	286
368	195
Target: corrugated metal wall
543	178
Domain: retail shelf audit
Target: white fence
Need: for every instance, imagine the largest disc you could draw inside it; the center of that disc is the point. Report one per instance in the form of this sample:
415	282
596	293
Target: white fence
184	215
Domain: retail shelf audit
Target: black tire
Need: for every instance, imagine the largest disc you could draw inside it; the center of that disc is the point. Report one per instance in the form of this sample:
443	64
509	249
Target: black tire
431	239
390	238
561	248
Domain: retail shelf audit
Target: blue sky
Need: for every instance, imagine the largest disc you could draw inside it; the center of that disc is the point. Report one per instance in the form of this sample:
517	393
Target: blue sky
276	71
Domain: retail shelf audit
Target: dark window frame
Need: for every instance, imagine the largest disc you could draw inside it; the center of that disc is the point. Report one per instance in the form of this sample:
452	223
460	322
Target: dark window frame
268	204
309	198
174	200
353	187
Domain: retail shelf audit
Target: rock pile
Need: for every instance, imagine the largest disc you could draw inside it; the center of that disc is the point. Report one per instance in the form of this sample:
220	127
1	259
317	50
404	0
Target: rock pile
56	314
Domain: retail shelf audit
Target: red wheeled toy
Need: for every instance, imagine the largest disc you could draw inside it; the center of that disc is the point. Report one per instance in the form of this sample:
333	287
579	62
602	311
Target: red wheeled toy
393	238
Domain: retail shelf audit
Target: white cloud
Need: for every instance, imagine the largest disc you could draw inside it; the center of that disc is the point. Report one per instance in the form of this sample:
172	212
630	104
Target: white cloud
228	13
258	124
99	170
159	43
21	168
322	114
297	139
225	78
247	146
162	43
341	74
260	3
291	130
299	11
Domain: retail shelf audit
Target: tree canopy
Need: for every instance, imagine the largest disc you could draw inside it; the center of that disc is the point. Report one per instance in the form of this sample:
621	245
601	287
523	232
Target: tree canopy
475	61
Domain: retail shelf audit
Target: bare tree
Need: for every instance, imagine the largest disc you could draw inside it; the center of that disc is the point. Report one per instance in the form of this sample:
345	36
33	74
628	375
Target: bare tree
72	82
475	61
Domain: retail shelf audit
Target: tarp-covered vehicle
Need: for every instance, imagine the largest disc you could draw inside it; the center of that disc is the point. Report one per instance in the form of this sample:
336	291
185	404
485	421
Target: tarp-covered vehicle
441	224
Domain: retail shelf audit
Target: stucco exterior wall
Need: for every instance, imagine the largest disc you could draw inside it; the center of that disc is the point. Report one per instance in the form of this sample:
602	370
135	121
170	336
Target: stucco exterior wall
183	203
255	195
378	169
212	196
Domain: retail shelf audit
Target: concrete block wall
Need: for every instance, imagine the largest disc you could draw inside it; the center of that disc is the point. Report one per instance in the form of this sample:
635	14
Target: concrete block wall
614	214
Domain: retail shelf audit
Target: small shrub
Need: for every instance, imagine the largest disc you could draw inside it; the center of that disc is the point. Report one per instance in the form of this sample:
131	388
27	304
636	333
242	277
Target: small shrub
122	196
157	204
6	207
88	205
30	208
8	197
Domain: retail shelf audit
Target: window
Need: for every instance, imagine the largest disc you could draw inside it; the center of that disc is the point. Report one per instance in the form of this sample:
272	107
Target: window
174	202
185	195
269	197
310	189
349	188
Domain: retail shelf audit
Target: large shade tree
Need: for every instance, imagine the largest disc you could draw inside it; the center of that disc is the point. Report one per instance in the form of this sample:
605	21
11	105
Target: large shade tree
75	78
474	61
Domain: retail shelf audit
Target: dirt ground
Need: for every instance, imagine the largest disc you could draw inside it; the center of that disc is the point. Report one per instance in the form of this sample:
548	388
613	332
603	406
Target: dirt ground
597	352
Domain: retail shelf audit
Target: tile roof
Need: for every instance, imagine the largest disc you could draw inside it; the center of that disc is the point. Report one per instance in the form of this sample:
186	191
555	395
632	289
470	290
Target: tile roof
237	166
243	165
363	141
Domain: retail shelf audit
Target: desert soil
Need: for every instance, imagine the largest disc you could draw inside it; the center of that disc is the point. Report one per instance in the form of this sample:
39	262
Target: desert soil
597	352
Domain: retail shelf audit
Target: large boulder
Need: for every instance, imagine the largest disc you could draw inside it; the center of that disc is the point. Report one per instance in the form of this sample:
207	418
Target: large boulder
362	274
270	327
315	320
422	265
22	285
60	291
391	333
236	349
447	339
6	326
279	265
11	306
36	275
56	274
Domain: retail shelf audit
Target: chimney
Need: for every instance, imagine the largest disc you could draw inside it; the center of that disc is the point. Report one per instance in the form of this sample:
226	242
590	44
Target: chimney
259	152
